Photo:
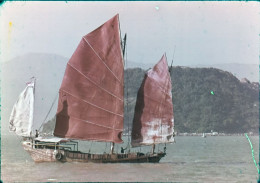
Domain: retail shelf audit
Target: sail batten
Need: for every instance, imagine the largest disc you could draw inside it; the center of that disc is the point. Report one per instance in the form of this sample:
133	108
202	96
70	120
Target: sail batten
163	89
91	104
121	115
102	60
153	119
95	83
161	103
96	124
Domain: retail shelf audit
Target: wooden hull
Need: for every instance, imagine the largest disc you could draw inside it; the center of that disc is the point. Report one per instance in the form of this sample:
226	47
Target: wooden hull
40	155
114	158
52	155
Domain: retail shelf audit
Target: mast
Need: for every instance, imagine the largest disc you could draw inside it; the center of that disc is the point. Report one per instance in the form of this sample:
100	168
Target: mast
170	70
126	88
124	45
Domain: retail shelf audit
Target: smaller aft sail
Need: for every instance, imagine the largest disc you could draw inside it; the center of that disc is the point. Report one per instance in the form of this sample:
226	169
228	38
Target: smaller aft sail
153	120
21	118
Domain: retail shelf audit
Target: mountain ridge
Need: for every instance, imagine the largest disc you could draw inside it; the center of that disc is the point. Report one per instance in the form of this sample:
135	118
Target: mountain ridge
189	85
249	71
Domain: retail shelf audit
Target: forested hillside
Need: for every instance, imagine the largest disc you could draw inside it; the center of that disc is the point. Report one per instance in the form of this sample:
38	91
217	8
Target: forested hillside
204	99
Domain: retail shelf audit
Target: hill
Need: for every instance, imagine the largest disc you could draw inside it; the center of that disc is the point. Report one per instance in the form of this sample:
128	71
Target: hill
232	109
249	71
205	99
48	70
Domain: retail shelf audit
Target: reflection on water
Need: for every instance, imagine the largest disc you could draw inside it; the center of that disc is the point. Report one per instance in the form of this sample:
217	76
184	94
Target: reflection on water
218	159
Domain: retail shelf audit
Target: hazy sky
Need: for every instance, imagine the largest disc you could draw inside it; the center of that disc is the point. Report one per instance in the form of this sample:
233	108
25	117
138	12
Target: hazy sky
203	32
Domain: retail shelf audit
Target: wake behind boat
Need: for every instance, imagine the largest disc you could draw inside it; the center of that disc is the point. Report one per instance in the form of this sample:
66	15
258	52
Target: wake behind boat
91	105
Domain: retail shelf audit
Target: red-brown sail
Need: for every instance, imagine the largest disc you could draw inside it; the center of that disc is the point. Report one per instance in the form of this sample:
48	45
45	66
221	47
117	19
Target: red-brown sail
153	120
91	103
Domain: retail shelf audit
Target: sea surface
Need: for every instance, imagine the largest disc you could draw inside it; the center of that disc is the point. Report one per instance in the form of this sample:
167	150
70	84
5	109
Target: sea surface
190	159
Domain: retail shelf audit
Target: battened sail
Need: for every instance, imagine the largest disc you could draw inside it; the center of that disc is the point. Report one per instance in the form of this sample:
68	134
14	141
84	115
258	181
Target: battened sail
21	119
91	103
153	120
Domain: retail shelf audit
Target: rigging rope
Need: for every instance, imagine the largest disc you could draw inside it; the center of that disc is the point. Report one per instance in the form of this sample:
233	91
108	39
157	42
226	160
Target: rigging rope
49	111
252	152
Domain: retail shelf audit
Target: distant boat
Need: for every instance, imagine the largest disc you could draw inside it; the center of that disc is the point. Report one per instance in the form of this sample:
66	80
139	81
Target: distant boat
204	135
91	105
214	133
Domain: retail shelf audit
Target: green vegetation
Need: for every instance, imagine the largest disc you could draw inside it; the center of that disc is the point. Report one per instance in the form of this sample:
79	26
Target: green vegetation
204	99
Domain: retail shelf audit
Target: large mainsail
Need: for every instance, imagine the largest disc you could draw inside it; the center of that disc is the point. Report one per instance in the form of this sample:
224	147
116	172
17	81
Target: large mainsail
91	103
153	120
21	119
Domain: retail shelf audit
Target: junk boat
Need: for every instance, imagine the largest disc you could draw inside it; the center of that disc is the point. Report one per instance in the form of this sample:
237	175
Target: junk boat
91	105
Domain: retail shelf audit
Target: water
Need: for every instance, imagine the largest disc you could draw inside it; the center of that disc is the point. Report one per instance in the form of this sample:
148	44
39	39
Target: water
190	159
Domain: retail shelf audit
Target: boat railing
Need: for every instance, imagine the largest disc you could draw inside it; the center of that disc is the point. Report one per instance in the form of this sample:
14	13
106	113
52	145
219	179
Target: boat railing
121	156
71	143
50	146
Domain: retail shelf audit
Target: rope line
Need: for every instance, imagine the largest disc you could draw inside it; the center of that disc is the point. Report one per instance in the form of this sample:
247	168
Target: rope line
252	152
102	60
49	111
94	105
93	82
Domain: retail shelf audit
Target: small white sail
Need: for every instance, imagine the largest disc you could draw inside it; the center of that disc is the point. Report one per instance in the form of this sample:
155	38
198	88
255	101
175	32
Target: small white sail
21	118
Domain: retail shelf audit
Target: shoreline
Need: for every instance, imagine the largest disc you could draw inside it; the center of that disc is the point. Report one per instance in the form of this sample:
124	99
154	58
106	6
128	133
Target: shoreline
216	134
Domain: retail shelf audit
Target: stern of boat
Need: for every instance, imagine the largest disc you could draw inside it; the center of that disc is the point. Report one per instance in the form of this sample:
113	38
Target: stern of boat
42	154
